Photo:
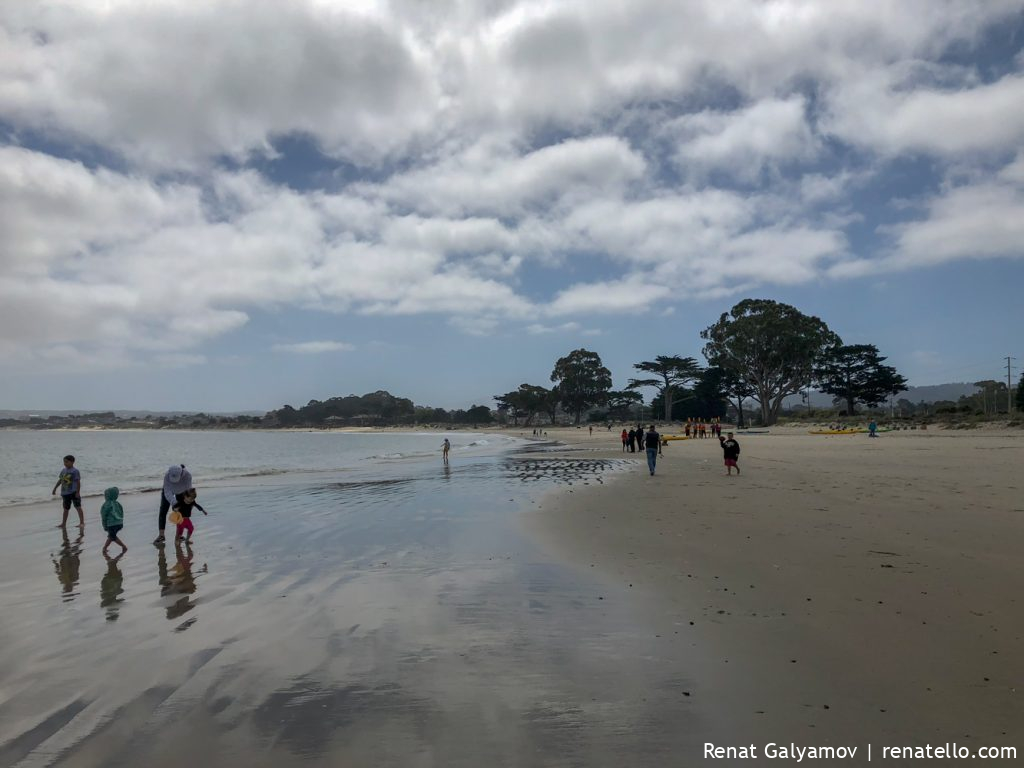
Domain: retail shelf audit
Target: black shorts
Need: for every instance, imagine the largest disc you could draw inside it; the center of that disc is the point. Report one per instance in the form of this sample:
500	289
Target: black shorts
71	498
113	530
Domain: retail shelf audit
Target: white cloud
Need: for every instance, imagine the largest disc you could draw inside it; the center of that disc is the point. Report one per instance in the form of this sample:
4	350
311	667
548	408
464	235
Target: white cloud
607	297
496	179
976	221
744	142
314	347
538	329
170	83
876	112
495	154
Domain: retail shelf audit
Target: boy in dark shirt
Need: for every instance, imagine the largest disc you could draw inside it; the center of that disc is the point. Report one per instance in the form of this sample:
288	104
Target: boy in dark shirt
183	505
70	483
731	449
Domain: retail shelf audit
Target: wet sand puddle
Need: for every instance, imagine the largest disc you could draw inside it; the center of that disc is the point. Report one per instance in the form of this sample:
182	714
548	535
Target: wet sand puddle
401	620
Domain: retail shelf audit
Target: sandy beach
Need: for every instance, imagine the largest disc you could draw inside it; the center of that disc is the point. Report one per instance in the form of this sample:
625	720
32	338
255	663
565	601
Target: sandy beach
844	590
555	608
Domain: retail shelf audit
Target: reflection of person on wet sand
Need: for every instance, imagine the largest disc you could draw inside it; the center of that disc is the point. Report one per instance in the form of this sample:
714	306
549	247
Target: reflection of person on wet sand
445	447
67	566
111	587
180	580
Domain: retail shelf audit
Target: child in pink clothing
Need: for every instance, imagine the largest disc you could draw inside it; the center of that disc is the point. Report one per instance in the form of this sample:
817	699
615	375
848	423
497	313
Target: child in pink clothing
183	505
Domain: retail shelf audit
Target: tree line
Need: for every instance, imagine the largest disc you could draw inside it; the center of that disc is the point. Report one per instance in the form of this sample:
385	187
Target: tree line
372	409
760	350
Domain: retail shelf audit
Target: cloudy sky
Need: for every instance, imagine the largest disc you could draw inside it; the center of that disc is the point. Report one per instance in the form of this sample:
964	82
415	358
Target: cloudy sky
232	205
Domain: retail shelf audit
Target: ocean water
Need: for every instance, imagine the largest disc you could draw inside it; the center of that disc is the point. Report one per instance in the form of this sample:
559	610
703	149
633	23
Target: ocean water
136	460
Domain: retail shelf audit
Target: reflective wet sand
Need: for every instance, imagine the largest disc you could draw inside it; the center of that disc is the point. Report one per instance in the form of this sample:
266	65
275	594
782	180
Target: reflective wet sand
403	620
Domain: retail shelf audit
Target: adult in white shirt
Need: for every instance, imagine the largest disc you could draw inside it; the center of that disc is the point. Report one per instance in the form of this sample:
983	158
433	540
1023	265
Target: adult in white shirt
177	480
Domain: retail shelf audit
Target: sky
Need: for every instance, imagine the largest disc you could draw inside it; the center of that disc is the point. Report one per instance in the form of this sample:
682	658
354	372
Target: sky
230	205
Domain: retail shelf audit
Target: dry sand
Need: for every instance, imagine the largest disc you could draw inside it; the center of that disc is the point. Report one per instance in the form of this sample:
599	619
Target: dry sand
842	590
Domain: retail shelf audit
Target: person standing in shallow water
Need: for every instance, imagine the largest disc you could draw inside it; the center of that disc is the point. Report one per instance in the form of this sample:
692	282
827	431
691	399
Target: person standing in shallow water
445	447
653	443
112	517
70	483
177	480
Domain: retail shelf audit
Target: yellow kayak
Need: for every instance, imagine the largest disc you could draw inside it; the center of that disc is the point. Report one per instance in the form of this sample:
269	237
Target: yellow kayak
675	437
836	431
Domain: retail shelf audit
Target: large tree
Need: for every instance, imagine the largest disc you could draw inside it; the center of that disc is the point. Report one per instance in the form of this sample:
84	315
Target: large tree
583	381
770	347
855	373
736	389
622	405
551	401
528	401
710	394
670	372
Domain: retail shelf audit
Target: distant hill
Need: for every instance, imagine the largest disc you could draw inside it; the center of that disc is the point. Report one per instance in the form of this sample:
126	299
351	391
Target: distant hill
935	392
12	414
928	394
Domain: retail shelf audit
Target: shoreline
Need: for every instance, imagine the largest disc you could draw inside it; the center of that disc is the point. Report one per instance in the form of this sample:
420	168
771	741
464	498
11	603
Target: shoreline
846	590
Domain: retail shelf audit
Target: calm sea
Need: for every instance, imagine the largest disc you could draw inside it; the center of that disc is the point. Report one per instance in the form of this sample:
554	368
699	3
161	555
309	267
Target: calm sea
136	460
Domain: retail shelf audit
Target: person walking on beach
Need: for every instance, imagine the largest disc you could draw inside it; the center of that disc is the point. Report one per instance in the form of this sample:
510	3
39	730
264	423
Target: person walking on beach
653	443
70	483
183	506
625	440
873	428
631	438
639	437
177	480
445	447
112	517
731	449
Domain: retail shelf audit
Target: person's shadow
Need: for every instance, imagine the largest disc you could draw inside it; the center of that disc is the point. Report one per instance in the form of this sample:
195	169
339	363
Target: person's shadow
68	564
111	588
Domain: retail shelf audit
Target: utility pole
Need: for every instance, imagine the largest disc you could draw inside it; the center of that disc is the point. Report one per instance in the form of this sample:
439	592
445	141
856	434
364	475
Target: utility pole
1009	386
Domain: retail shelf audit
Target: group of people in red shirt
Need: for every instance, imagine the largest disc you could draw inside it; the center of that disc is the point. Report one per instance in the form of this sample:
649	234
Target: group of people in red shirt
700	428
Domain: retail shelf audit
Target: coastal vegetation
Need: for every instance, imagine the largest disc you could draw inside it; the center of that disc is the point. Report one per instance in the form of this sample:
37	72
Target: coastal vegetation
761	351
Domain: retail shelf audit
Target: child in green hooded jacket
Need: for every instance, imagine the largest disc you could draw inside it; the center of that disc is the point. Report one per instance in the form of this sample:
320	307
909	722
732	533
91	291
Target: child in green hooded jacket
112	516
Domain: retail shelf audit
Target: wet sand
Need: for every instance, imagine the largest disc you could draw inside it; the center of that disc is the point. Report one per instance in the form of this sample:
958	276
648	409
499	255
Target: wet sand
345	623
844	590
